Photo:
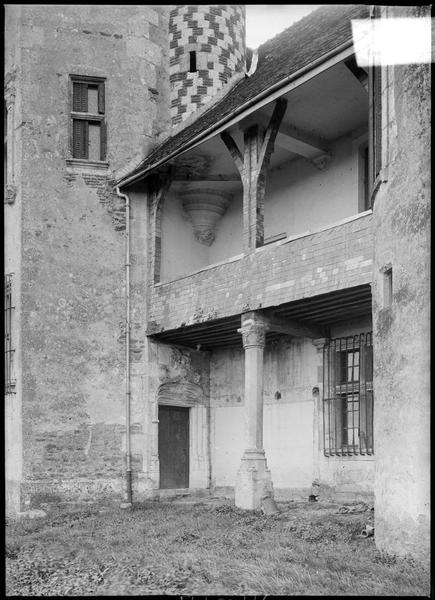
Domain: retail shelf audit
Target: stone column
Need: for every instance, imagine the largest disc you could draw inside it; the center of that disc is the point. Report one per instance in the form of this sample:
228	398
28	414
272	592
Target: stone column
253	478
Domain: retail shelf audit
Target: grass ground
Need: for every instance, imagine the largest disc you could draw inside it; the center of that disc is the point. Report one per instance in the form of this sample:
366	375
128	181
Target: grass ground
204	549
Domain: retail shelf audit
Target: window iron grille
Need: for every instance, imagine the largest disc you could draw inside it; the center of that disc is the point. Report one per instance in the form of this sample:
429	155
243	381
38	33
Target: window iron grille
9	350
348	396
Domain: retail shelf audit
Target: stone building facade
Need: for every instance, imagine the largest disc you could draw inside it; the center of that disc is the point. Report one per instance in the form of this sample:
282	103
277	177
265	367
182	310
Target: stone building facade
208	284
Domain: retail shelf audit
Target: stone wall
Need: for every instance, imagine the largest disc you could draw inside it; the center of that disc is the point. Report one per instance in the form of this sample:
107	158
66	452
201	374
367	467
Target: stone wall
401	328
300	197
72	296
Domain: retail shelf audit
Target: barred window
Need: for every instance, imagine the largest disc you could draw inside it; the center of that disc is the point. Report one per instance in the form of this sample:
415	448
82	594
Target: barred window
88	140
9	350
348	396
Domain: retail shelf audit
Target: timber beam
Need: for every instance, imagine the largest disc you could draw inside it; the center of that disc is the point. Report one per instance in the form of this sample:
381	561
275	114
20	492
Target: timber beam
252	166
295	140
293	328
275	324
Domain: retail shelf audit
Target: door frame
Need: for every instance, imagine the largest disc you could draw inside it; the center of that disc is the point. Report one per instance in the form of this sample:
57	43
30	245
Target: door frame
184	409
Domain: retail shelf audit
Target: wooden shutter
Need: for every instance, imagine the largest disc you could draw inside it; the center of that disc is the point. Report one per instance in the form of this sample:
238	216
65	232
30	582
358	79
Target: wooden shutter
80	138
103	140
101	99
80	97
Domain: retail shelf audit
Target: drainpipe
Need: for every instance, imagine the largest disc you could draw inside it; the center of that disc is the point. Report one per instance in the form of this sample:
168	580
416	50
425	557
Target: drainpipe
127	351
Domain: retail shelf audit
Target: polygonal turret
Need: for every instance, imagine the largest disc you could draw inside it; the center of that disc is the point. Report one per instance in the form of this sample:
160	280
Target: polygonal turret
206	48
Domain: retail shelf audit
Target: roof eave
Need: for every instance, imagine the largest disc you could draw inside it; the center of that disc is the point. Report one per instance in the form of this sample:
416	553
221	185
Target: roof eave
244	110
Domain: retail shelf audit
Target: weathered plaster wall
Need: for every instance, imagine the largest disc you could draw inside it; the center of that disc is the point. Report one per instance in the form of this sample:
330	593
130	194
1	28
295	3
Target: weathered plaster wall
73	294
293	423
229	232
401	331
300	197
181	253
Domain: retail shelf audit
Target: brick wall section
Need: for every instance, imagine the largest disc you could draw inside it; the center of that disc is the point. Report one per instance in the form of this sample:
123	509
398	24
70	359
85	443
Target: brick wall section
337	258
217	35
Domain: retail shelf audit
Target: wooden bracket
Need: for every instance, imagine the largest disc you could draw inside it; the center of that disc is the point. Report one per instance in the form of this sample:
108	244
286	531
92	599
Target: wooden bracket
159	186
252	166
234	151
293	327
267	146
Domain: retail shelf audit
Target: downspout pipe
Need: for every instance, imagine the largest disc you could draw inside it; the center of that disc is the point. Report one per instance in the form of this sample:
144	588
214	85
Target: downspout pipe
128	473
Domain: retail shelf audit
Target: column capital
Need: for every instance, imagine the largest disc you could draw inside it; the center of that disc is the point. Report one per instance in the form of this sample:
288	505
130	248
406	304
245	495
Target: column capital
320	343
253	330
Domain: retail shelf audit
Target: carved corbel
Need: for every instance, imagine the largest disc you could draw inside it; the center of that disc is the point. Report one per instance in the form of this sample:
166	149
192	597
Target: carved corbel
320	343
321	161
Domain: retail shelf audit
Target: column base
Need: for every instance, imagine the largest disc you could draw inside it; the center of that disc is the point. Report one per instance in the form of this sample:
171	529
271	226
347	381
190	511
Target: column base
253	481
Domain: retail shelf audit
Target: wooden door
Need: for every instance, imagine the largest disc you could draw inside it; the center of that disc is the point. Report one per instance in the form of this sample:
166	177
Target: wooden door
174	447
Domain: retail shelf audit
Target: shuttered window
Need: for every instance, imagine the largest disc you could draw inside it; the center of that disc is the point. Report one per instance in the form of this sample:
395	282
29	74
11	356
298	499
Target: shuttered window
89	137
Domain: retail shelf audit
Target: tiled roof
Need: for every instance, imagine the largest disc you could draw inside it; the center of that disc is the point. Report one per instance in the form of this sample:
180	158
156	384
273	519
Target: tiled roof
305	41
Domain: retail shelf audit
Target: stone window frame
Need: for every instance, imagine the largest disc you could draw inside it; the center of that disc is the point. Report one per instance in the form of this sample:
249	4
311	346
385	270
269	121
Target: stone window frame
88	117
10	188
